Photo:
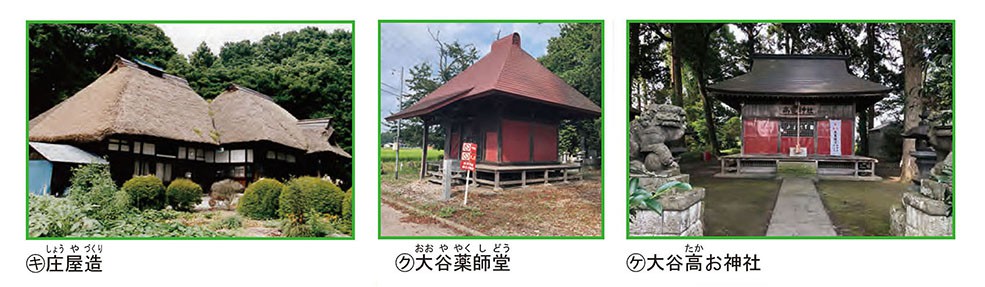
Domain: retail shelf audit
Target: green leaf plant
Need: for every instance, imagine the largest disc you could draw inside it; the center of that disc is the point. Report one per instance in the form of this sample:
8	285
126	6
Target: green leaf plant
640	198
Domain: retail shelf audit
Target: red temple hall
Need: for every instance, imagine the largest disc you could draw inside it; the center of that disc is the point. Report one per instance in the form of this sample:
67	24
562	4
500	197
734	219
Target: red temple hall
511	107
798	108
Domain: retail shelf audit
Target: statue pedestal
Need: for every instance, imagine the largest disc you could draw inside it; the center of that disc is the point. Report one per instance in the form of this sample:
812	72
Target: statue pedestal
924	213
682	214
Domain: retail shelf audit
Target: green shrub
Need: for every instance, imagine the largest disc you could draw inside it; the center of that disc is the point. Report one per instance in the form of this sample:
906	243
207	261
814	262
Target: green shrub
223	192
314	226
228	223
305	194
92	185
146	192
261	199
49	216
183	194
347	205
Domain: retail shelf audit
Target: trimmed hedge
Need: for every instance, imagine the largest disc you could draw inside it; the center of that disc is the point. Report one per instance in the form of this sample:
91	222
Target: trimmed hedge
306	194
146	192
183	194
261	199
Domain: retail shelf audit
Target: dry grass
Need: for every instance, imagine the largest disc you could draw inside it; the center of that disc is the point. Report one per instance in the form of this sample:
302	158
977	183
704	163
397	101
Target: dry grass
559	209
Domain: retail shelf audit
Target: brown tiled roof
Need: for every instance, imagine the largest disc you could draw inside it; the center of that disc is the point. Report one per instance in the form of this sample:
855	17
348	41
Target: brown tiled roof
506	69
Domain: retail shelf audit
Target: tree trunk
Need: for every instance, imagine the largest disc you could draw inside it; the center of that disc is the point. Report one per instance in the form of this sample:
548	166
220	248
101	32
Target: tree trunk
913	62
709	114
678	98
866	115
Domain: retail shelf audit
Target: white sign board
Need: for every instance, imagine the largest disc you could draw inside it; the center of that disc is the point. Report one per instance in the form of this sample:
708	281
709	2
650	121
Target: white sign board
835	137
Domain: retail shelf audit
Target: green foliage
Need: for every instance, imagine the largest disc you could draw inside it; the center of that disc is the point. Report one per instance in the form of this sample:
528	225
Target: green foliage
310	194
223	192
228	223
202	58
149	223
92	185
261	199
640	198
67	57
313	226
347	205
308	72
49	216
146	192
576	57
183	194
409	154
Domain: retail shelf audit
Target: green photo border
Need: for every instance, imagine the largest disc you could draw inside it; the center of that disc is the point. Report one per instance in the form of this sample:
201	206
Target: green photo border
379	106
27	149
629	101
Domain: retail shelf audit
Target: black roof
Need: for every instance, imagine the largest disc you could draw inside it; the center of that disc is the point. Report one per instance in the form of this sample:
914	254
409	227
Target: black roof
799	76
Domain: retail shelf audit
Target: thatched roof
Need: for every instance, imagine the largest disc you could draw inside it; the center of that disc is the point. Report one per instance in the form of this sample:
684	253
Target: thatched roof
244	115
318	133
128	99
140	99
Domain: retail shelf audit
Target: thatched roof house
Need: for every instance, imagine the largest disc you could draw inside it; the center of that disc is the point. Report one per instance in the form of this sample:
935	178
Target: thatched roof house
244	115
146	121
127	100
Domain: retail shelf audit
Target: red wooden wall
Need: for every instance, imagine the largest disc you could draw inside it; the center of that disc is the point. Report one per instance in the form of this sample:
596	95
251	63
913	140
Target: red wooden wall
760	136
492	146
545	142
516	141
517	137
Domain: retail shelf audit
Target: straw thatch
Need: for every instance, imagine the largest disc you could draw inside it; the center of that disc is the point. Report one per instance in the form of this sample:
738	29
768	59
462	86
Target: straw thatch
131	99
127	99
318	134
244	115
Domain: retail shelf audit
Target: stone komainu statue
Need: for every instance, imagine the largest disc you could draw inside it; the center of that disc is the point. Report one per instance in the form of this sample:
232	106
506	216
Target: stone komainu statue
648	134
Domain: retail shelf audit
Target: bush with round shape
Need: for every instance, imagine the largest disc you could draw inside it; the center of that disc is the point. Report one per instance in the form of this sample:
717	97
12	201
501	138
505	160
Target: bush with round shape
261	199
317	194
146	192
183	194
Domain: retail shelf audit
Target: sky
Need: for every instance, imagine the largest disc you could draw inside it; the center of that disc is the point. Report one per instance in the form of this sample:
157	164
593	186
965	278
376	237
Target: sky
187	37
403	45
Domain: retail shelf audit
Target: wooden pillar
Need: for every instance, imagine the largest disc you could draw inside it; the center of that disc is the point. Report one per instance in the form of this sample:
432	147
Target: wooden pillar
523	178
424	150
496	180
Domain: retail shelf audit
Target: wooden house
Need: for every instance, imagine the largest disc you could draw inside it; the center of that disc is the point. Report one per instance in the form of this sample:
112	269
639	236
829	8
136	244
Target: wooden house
145	121
511	106
798	108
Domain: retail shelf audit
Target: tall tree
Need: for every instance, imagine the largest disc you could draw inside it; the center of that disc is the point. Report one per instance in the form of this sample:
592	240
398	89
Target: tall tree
202	58
913	74
575	55
697	39
425	77
64	58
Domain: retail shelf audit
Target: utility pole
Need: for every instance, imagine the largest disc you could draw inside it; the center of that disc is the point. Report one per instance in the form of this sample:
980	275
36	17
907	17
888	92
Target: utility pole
400	100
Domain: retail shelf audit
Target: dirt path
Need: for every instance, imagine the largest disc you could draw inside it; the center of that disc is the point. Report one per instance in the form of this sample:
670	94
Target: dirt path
393	222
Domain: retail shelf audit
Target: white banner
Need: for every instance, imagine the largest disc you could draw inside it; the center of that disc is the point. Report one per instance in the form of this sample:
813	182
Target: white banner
835	137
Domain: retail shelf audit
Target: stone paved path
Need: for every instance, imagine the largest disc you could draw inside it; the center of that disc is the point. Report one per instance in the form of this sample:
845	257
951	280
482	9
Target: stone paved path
799	211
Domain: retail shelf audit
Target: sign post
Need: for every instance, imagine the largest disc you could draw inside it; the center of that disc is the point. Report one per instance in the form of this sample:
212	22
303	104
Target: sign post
468	164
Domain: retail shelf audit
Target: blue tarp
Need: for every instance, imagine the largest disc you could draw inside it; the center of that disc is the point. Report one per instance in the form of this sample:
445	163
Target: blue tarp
39	175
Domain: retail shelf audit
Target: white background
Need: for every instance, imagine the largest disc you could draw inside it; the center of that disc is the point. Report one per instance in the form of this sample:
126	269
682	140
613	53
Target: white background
368	261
